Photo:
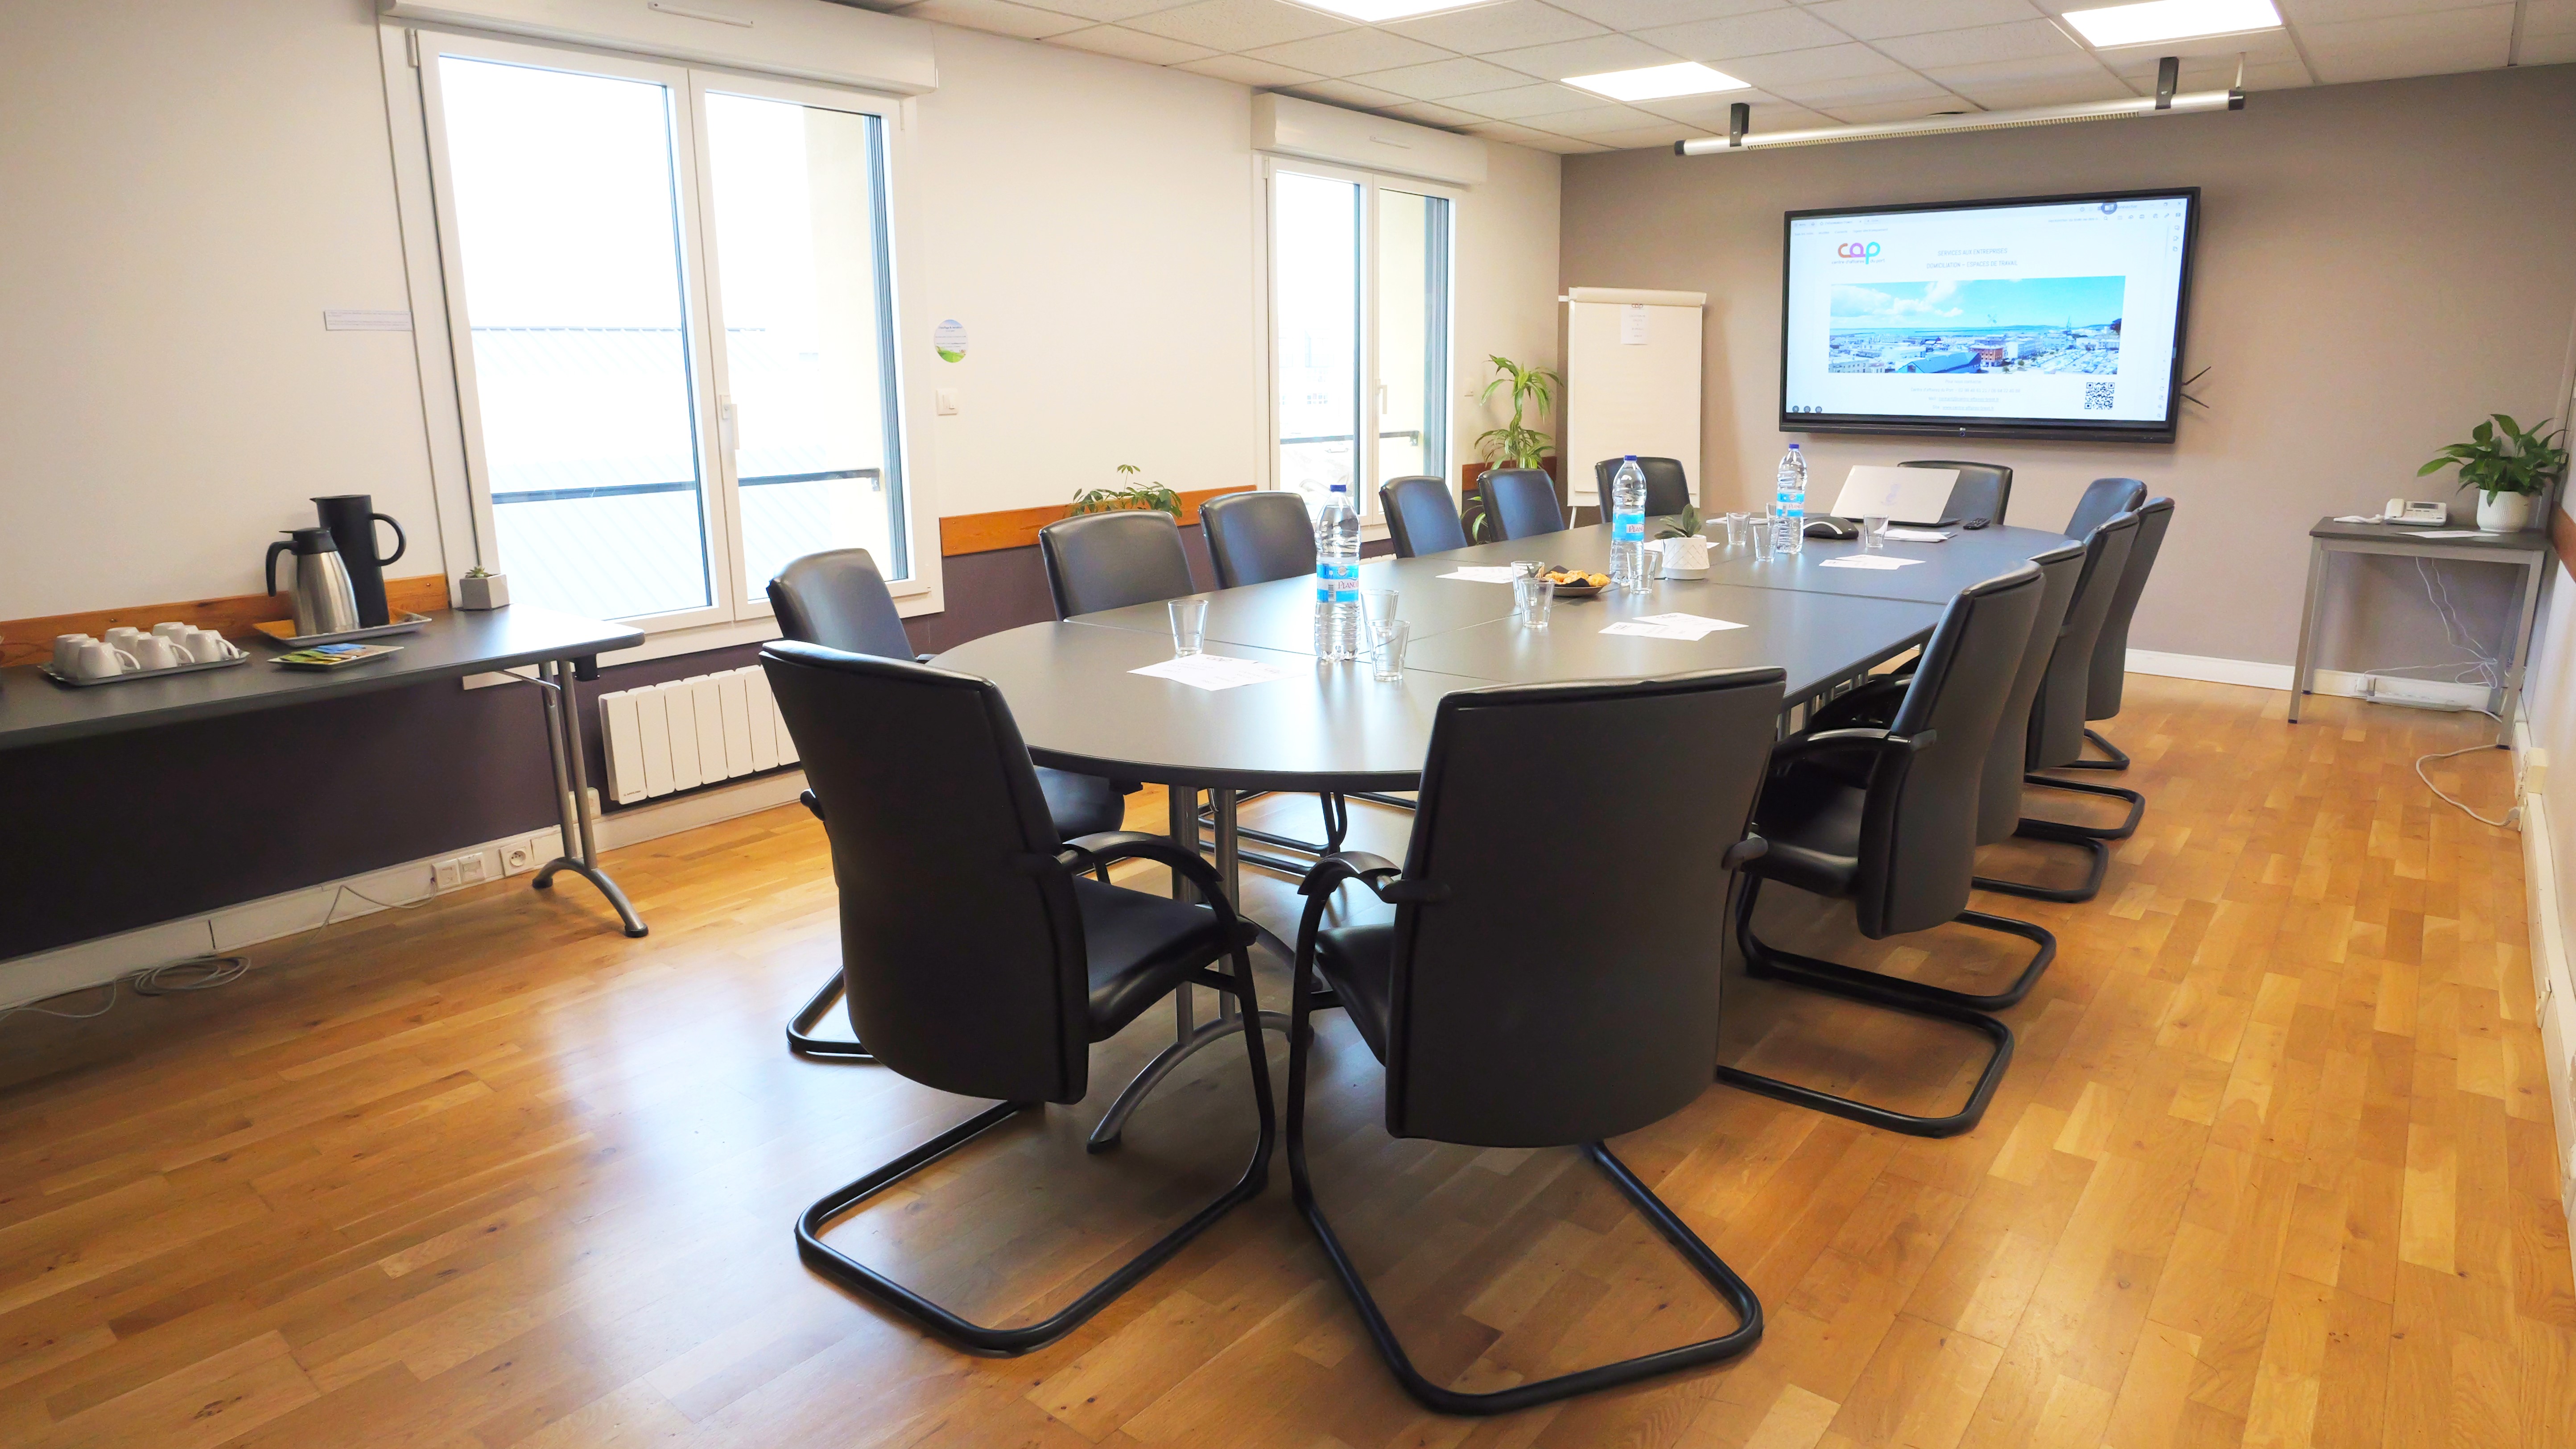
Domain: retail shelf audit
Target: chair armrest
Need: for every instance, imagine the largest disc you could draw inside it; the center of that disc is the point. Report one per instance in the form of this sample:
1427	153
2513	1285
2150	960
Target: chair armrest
1871	703
809	802
1091	852
1329	873
1848	741
1750	848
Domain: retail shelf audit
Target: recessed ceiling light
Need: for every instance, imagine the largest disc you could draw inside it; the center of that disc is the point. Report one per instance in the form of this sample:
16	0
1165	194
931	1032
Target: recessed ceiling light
1372	12
1655	82
2156	20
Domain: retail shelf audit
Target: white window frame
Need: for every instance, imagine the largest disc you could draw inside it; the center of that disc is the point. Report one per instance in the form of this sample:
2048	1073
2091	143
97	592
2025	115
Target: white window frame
443	345
1365	471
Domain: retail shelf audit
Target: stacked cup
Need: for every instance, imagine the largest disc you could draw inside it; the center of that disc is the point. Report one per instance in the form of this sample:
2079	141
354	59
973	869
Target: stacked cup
127	650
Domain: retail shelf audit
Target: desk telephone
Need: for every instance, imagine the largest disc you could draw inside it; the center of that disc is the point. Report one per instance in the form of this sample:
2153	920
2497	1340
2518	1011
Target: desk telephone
2416	515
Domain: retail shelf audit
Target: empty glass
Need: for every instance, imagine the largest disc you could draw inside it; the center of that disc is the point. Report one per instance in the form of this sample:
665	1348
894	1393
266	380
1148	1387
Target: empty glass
1533	597
1736	524
1386	649
1873	535
1523	570
1765	537
1377	606
1189	626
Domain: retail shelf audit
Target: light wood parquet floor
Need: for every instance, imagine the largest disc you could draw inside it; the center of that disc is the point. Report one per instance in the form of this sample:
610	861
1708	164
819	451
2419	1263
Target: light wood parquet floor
2273	1167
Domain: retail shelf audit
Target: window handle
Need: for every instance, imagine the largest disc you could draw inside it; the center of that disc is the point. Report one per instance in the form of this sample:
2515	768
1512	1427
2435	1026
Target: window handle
1381	399
728	425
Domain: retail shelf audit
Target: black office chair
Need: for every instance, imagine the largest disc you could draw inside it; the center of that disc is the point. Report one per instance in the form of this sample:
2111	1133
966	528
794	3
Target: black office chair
1097	561
978	961
2111	652
1421	517
2056	728
1667	486
1514	1012
1887	819
1522	502
1984	490
838	599
1255	538
2103	498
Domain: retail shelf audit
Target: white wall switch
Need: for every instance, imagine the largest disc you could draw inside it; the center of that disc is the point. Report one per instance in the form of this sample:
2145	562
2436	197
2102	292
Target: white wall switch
944	402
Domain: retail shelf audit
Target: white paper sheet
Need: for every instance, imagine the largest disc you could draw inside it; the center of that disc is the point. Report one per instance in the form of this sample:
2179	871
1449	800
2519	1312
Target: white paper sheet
1917	535
1481	573
2458	533
1689	628
1867	561
1213	671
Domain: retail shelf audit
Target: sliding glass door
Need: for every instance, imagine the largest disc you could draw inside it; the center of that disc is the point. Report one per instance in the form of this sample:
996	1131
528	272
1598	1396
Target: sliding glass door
1359	329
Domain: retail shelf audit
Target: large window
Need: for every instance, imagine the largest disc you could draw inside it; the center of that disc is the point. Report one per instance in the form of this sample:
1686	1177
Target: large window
1359	325
670	298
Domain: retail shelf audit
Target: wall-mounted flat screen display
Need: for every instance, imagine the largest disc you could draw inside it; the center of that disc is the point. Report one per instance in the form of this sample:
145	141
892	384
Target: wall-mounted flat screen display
2048	317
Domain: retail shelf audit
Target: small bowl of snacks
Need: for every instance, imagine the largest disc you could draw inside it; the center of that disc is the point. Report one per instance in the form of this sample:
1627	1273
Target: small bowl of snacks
1575	583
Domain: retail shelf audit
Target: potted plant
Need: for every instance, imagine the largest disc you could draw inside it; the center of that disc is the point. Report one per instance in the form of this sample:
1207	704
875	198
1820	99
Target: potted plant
1515	444
1126	495
482	589
2510	469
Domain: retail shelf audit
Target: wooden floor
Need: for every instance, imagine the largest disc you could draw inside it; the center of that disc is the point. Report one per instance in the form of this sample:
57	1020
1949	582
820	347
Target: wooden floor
2273	1166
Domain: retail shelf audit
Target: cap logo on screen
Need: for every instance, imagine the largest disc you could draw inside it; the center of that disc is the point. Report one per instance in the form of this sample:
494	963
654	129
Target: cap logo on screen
1863	252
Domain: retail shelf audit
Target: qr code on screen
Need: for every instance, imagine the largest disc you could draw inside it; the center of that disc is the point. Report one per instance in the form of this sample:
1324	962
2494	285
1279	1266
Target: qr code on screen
2097	397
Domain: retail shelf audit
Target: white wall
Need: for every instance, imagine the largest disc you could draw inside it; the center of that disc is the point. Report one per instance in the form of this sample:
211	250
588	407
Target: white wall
189	186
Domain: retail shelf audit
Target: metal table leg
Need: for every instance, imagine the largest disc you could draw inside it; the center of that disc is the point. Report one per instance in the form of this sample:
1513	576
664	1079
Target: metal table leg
2300	673
572	796
1188	1035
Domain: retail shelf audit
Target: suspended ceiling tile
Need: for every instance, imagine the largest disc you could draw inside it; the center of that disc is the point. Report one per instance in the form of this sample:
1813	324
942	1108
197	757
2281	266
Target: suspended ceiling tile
1510	134
1349	52
2304	13
1583	57
998	17
1768	115
1760	33
1107	10
1131	45
1649	138
2403	45
2548	17
1348	93
2021	40
1823	63
1442	79
2556	48
1519	101
1863	90
1432	113
2063	91
1245	71
1642	14
1879	19
1508	26
1591	120
1238	24
1966	78
1872	113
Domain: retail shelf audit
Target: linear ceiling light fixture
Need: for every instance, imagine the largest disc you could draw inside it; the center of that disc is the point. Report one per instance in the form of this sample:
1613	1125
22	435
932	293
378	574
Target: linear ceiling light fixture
2164	102
1658	82
2161	20
1373	12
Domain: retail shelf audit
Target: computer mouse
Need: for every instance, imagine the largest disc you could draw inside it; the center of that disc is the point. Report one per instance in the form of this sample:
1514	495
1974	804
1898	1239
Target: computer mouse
1830	528
1973	524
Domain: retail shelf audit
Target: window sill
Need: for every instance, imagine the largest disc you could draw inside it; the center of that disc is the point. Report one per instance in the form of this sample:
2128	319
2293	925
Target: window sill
668	645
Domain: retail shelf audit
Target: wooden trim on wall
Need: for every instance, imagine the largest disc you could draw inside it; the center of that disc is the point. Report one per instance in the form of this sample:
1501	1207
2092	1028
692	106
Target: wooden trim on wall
25	641
1018	527
2562	536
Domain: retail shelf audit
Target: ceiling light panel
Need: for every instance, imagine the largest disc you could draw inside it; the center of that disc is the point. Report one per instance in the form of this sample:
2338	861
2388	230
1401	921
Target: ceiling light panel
2159	20
1372	12
1655	82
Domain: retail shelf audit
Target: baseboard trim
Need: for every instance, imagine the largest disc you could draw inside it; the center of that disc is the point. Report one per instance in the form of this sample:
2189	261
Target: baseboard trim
2259	675
236	927
2554	988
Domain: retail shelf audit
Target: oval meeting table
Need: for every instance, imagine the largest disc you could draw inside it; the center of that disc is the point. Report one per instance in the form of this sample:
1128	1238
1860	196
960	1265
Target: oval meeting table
1332	727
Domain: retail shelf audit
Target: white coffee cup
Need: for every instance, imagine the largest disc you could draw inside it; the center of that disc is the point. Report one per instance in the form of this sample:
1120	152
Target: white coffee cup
67	648
101	661
154	651
122	637
207	647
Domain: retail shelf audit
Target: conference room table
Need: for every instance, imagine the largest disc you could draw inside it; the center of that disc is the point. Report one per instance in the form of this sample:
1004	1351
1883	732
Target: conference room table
1323	726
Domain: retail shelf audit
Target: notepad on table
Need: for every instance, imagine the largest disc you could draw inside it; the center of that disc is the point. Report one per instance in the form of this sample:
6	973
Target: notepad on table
1867	561
1213	671
1687	627
1481	573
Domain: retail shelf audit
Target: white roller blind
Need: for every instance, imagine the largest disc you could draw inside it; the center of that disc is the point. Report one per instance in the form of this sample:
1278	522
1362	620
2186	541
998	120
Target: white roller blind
1631	382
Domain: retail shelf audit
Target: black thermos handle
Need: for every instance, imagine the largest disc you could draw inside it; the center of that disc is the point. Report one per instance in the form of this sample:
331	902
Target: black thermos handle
401	540
274	550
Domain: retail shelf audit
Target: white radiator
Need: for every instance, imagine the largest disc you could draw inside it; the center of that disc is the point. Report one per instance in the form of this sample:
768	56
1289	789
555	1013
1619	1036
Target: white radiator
691	732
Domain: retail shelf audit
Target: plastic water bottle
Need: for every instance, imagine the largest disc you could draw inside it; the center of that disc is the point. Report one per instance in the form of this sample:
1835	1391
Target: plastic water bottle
1628	527
1337	578
1789	510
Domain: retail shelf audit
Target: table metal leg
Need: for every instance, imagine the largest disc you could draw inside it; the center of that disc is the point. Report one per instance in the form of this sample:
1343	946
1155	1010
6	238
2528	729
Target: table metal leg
2511	702
572	796
2301	675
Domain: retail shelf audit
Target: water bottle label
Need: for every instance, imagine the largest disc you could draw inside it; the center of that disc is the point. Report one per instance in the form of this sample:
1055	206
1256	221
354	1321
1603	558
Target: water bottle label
1627	528
1337	583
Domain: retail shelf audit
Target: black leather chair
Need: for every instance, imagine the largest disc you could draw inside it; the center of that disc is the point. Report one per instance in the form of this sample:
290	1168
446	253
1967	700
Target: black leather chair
2103	498
1512	1015
2111	652
1522	502
1984	490
1421	517
1097	561
1887	819
2056	729
838	599
978	961
1667	485
1255	538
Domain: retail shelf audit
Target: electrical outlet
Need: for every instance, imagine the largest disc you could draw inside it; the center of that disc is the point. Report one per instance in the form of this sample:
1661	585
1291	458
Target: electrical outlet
451	873
519	857
473	869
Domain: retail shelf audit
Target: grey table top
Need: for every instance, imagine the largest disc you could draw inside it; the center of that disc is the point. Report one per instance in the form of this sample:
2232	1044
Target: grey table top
34	710
2528	540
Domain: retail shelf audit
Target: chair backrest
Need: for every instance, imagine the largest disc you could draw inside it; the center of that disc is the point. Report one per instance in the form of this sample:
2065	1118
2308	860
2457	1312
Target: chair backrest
1522	502
1562	986
1421	517
1667	485
1918	834
2102	498
2111	651
1255	537
1098	561
1984	490
1999	797
961	947
2057	713
838	599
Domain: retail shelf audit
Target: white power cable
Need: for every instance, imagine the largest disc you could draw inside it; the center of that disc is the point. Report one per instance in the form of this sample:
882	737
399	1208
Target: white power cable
196	973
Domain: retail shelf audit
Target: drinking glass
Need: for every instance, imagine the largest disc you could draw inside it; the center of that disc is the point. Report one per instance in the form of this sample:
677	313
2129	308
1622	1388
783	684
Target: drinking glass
1534	596
1737	524
1189	626
1377	606
1524	570
1873	535
1387	641
1765	535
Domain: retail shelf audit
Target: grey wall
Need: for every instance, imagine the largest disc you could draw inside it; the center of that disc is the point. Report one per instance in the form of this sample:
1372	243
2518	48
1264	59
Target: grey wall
2379	266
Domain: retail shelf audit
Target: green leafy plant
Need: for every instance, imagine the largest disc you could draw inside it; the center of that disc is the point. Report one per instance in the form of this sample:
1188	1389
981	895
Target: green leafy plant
1684	524
478	572
1127	495
1516	444
2500	457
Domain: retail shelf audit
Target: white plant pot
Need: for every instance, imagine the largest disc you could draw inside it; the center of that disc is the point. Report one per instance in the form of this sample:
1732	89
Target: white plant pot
2504	512
492	591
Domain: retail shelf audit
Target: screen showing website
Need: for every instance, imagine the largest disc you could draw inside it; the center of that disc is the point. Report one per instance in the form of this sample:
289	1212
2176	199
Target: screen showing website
2059	312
